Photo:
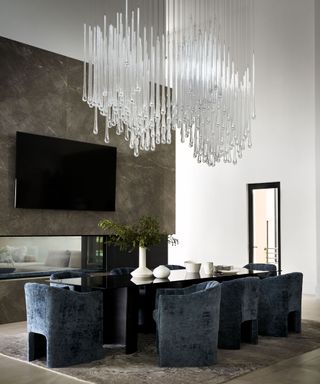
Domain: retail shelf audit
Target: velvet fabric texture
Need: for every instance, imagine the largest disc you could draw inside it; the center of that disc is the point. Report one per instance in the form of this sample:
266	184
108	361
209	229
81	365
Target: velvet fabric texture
64	325
239	312
121	271
187	325
173	267
67	275
280	304
263	267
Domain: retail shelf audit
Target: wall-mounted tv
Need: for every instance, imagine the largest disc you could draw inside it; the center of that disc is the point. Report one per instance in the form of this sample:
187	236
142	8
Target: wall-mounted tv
53	173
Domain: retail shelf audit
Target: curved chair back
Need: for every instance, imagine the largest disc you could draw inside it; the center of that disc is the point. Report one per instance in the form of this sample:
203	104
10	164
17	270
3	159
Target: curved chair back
173	267
239	312
121	271
280	304
65	325
66	275
183	291
263	267
192	316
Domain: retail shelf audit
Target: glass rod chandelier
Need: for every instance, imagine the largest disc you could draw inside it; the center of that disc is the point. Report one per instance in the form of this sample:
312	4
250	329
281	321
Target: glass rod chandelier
194	73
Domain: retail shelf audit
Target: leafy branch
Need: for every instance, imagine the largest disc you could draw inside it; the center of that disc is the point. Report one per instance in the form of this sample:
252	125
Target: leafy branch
144	233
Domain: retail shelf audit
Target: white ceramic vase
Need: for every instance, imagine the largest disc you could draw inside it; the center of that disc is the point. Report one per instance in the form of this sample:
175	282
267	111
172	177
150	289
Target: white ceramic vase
192	267
142	272
208	267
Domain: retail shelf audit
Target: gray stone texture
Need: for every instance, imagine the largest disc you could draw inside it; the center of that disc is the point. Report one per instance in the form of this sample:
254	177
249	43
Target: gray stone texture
12	302
40	92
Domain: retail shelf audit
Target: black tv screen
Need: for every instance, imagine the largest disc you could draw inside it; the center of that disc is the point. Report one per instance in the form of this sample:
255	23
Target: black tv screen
54	173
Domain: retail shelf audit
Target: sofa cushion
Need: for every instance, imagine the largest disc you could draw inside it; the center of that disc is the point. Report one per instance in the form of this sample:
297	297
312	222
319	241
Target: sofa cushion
17	253
29	259
57	258
6	262
75	259
5	255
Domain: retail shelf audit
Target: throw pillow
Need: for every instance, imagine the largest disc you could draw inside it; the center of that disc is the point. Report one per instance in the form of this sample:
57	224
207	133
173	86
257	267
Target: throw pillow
6	262
75	259
29	259
57	259
17	253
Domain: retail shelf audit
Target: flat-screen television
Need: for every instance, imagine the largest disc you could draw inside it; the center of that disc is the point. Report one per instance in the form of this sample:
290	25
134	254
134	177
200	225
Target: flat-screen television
53	173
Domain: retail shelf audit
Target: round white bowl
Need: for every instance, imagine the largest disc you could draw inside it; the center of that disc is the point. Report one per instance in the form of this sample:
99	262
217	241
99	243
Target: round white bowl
161	272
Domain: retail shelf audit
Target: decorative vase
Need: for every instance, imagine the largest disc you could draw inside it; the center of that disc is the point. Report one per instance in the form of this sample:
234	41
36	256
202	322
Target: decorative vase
208	267
142	272
192	267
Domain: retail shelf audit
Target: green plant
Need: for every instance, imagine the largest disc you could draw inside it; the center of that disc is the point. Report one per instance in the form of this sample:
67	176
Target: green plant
144	233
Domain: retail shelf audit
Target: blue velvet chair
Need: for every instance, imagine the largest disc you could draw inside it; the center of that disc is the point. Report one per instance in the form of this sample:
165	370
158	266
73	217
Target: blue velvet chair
187	325
239	312
271	268
121	271
67	275
64	325
280	304
174	267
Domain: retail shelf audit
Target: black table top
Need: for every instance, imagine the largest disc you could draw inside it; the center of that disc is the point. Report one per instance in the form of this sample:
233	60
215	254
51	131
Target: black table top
106	281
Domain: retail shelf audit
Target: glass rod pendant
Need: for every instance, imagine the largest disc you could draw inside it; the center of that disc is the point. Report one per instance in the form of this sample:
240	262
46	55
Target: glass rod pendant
184	65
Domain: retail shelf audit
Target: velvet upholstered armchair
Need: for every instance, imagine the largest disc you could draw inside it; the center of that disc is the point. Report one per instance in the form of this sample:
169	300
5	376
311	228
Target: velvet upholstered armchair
118	271
67	275
174	267
280	304
271	268
64	325
187	325
239	312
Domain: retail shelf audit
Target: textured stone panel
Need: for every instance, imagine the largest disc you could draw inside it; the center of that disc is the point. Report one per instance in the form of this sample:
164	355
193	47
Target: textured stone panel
40	92
12	301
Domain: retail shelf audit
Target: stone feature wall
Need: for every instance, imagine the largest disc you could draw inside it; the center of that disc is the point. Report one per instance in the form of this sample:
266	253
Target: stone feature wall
40	92
12	299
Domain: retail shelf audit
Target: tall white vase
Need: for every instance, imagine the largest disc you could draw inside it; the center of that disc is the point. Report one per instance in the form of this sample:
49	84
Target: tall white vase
142	272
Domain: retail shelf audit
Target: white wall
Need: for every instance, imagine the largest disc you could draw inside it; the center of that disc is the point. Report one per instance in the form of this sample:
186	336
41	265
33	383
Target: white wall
52	25
317	142
57	25
211	204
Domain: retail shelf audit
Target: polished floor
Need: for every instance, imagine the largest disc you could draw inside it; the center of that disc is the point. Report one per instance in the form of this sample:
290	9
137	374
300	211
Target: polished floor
303	369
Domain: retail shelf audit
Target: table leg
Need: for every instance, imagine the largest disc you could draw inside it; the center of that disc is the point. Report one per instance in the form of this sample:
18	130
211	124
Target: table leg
120	317
131	344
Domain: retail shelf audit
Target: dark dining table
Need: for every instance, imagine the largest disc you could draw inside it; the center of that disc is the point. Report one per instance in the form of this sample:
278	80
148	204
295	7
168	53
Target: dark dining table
122	298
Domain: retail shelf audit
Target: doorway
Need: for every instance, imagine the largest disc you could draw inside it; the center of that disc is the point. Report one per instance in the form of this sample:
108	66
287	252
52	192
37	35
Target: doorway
264	223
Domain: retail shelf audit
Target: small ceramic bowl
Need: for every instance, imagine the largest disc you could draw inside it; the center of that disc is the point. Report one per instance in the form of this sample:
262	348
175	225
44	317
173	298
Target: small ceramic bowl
161	272
192	267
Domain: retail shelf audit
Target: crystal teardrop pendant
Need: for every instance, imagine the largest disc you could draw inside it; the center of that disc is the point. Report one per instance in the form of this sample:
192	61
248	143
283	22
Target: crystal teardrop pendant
194	71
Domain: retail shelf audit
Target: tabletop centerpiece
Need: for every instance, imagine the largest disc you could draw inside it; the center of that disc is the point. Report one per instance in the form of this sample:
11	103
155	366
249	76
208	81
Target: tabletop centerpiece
143	234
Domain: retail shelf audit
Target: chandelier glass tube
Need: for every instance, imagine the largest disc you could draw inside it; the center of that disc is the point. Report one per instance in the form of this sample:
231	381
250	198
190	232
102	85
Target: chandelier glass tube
193	72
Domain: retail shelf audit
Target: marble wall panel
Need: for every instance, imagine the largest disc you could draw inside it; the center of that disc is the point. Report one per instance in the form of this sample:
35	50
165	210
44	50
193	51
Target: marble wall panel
12	303
40	92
